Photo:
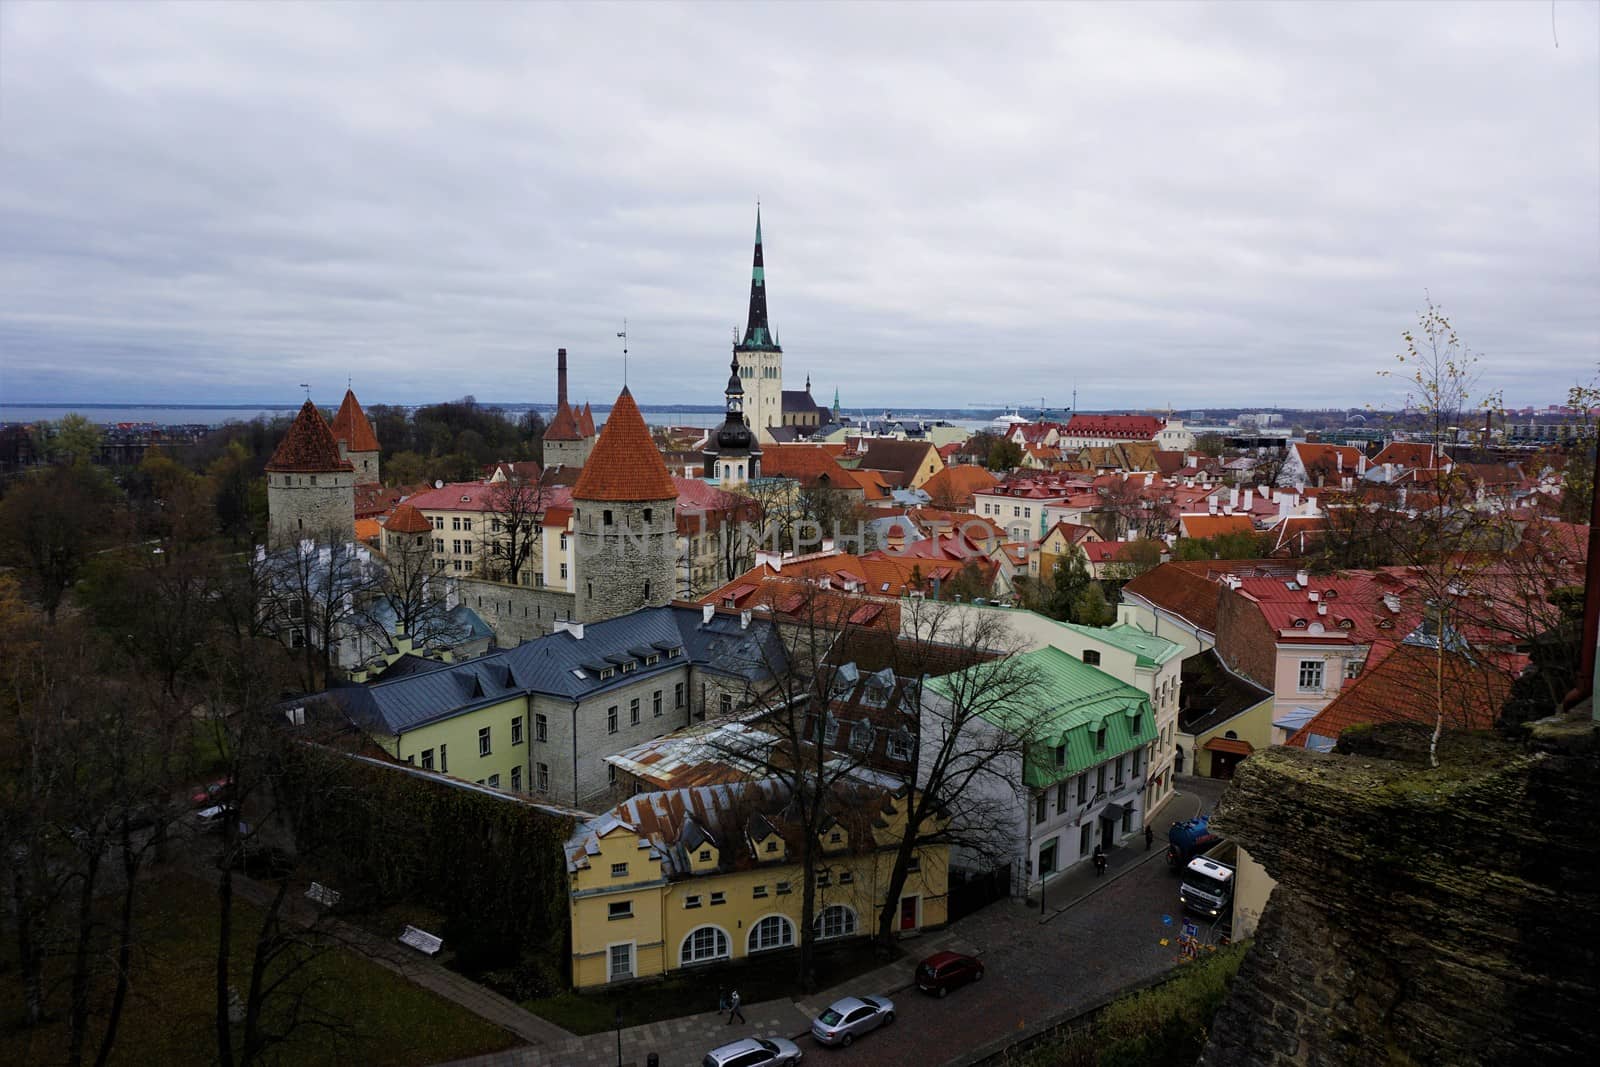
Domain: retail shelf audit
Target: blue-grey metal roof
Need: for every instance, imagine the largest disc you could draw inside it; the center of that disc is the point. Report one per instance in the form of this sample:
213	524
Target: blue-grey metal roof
565	666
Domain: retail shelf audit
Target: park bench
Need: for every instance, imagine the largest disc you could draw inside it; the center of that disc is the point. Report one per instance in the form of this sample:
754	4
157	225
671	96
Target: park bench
422	941
323	895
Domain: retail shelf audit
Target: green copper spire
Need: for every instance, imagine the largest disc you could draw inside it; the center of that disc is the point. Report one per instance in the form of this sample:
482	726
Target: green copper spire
757	333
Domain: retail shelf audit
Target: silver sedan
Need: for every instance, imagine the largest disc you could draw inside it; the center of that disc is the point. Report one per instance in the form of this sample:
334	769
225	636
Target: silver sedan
849	1018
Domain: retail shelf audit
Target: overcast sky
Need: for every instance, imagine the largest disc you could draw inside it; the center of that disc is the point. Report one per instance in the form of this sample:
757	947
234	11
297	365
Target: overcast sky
1230	204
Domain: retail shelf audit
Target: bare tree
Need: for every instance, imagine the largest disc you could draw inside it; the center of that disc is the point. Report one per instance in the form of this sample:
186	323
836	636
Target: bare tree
314	594
411	595
50	525
516	508
970	675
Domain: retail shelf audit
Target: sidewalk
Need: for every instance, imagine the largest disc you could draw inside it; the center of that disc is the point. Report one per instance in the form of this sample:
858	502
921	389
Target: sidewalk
684	1041
1079	882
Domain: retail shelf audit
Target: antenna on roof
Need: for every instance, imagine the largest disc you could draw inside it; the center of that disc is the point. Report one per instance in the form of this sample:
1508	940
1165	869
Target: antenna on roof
307	387
624	336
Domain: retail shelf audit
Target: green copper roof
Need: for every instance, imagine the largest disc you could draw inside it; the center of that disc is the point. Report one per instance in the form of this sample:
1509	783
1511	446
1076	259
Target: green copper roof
1151	650
1070	704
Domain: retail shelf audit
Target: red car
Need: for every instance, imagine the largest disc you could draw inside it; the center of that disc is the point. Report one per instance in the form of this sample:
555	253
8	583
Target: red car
944	971
212	793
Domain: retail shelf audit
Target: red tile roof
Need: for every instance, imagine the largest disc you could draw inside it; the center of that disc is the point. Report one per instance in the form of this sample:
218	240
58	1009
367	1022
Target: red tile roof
625	465
1208	525
1410	454
805	464
350	425
1131	427
586	421
309	445
407	519
480	496
1402	687
563	426
1329	458
1106	551
955	485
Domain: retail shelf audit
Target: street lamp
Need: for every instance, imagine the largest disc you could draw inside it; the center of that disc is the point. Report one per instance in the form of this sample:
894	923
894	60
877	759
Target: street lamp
618	1022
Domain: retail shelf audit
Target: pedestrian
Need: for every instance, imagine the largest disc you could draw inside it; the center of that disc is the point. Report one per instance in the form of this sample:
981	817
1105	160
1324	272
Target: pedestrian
1149	838
1099	861
733	1007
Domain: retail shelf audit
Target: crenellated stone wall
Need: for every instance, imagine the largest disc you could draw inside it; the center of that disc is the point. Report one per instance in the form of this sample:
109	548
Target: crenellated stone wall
1427	916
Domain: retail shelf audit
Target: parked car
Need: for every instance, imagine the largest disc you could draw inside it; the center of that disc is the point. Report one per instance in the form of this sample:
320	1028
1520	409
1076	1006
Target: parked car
212	793
753	1052
849	1017
944	971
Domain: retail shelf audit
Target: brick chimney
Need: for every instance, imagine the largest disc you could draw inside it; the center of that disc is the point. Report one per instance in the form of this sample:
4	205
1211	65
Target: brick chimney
561	378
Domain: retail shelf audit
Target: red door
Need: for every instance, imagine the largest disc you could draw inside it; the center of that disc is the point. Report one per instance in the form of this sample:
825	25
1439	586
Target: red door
908	913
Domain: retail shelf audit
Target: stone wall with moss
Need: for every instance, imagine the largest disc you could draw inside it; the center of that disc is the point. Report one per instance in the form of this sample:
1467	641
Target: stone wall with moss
1423	915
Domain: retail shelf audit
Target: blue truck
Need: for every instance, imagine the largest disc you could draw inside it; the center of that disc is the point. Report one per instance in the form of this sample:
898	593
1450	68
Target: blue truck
1188	839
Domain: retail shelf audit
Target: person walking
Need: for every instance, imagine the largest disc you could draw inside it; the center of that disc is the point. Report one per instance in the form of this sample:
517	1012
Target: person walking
1099	861
1149	838
733	1007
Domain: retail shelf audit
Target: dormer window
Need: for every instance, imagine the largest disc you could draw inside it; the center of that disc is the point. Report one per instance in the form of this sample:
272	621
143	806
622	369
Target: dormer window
1061	755
1100	738
705	855
830	730
772	846
628	666
607	672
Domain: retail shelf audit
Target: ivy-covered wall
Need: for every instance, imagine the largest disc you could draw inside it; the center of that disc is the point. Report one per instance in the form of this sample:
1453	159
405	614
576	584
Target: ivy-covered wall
493	868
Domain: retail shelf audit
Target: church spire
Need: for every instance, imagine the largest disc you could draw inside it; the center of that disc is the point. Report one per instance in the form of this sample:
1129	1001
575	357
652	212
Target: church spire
757	334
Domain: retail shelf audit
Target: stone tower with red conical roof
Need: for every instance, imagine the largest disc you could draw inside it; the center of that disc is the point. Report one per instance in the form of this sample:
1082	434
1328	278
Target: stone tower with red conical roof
566	444
624	515
357	442
310	484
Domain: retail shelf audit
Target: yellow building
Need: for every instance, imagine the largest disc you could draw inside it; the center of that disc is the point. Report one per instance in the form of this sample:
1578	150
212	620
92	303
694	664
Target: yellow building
693	877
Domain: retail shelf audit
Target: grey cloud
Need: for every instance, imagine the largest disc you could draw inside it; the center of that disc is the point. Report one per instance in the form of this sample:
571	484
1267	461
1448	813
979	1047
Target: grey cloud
1188	204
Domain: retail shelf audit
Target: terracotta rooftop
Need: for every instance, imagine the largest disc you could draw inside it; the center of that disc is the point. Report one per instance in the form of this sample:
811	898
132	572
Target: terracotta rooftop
1199	526
957	484
407	519
586	421
308	446
563	426
350	425
625	465
1136	427
1401	688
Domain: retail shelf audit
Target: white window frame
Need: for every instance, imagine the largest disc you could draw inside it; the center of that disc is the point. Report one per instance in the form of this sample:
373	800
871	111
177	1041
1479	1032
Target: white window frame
845	925
770	933
719	947
1314	669
612	975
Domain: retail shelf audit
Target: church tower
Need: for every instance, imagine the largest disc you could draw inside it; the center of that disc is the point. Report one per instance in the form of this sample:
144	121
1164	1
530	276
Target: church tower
311	491
759	356
357	442
625	518
733	455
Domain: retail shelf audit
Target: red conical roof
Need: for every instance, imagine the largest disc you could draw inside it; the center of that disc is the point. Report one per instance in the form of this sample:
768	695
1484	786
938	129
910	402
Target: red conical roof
309	445
625	465
350	425
407	519
564	426
586	421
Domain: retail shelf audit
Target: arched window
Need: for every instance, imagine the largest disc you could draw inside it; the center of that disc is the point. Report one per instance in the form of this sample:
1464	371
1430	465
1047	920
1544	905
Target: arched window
835	921
704	943
774	931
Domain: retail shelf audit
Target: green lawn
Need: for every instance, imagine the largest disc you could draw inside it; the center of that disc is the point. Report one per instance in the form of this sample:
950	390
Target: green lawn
381	1018
769	978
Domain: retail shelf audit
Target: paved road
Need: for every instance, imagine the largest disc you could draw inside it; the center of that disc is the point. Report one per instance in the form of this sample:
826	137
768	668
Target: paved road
1034	970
